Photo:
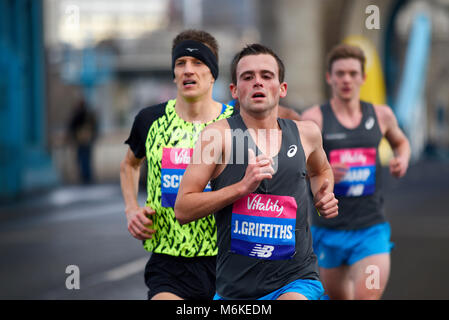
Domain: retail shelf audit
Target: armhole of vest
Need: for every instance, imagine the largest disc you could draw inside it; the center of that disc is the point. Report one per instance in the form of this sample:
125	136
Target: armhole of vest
229	120
372	111
300	141
324	115
369	107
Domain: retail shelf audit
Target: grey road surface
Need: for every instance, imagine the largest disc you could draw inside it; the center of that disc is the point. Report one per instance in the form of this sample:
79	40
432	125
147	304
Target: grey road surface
84	226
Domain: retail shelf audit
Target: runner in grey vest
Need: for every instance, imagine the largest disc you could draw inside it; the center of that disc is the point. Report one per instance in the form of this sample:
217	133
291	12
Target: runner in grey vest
259	193
259	254
359	238
359	195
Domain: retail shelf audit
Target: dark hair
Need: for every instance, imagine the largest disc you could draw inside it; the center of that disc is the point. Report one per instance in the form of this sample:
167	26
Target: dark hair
345	51
197	35
255	49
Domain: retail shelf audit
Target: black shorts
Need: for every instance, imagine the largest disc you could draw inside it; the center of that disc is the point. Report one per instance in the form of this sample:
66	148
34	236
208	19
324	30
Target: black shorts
188	278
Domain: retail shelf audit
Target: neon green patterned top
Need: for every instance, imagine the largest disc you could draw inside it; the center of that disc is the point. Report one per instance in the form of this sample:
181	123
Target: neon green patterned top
168	147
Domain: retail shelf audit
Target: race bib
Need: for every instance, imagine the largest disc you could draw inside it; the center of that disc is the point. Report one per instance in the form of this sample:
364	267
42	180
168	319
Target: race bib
173	166
263	226
360	180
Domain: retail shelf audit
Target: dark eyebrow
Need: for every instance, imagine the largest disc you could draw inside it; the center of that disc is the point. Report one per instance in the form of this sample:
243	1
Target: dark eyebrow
268	71
249	72
246	73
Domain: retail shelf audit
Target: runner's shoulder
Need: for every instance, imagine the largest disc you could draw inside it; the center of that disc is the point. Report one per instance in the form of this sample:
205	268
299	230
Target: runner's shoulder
385	114
313	113
151	113
309	130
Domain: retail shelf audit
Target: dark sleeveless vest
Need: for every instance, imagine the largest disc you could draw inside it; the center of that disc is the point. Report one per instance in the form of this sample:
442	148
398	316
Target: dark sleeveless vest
264	240
360	200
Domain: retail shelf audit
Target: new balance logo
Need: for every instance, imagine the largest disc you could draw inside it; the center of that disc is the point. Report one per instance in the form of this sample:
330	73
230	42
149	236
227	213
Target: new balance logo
260	251
355	190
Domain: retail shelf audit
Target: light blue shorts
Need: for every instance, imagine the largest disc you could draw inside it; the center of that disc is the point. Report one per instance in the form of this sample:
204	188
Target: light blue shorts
311	289
345	247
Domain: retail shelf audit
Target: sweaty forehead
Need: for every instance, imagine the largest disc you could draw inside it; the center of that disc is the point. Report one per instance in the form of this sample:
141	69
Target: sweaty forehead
257	63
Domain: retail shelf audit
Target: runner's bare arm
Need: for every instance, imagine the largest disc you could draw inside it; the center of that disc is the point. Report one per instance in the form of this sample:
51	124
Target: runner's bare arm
192	203
319	170
313	114
287	113
136	216
397	139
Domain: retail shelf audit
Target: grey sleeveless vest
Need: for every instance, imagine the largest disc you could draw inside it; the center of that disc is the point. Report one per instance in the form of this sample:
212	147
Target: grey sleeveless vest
360	200
264	241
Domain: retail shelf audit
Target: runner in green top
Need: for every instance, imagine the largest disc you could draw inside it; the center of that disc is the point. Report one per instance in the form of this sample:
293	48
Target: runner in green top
168	147
182	265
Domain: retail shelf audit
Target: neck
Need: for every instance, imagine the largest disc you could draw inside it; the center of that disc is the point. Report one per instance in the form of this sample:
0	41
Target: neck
348	113
197	110
266	120
349	107
264	130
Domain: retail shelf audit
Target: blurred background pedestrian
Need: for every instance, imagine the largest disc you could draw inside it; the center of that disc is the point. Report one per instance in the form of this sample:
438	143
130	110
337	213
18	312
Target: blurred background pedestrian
82	132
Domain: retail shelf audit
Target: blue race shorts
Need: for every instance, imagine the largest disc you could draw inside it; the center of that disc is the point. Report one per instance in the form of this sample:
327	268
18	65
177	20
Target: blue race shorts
311	289
334	248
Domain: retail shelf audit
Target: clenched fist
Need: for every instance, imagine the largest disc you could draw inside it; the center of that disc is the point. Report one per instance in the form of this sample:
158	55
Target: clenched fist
325	201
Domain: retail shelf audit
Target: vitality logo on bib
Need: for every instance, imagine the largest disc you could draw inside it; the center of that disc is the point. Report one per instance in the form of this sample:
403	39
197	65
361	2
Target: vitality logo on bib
263	226
360	180
173	166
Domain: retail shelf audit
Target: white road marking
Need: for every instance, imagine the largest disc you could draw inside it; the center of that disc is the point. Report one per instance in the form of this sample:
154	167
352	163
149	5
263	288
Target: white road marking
125	270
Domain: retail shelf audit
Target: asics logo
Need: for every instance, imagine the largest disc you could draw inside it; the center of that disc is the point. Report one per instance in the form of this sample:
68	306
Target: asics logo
292	150
369	123
191	49
260	251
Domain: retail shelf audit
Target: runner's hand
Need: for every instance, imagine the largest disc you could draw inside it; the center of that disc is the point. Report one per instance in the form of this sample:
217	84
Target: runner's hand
138	222
398	167
259	168
325	201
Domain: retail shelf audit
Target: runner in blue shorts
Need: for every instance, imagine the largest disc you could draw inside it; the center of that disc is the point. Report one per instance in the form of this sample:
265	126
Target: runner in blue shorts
353	249
256	163
345	247
311	289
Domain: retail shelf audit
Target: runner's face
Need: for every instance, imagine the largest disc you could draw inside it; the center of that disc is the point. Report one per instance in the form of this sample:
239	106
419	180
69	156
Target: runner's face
193	78
258	88
346	78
